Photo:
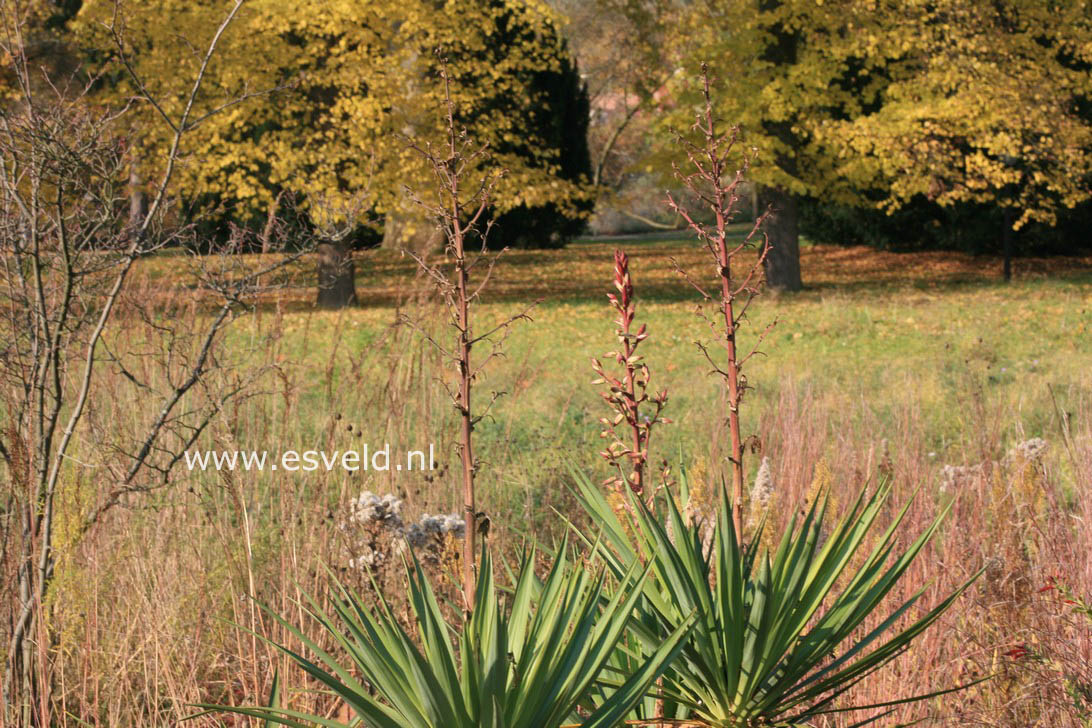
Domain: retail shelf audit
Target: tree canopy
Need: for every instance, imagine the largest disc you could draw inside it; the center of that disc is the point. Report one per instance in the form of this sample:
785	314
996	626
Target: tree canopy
874	103
987	103
337	86
859	103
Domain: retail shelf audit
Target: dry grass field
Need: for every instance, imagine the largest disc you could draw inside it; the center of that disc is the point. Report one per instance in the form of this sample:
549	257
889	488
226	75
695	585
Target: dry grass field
924	368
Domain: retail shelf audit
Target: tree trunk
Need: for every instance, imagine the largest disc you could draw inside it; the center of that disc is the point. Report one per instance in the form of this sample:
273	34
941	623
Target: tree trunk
1006	242
336	273
138	205
271	222
783	260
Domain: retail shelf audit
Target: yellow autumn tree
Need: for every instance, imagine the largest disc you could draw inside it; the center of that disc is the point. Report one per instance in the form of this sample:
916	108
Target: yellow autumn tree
872	102
995	111
334	87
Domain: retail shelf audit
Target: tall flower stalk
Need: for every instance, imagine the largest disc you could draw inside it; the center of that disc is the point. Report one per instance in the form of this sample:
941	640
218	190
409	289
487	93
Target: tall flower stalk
627	393
460	209
718	190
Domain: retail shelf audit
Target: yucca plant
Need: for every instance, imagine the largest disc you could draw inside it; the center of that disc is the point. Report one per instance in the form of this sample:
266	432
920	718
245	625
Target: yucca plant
778	637
533	665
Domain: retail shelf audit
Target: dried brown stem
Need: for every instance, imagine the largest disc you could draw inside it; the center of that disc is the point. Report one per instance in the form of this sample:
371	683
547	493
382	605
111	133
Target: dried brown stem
68	250
461	216
719	192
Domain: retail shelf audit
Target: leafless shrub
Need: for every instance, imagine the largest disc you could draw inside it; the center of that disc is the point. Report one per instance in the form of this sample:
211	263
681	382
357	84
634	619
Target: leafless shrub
69	243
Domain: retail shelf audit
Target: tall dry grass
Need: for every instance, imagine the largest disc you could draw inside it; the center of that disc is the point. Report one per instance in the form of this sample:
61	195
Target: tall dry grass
1024	518
149	603
146	605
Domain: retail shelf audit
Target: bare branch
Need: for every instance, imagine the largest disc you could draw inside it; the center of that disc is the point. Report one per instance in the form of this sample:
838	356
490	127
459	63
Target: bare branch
712	185
460	214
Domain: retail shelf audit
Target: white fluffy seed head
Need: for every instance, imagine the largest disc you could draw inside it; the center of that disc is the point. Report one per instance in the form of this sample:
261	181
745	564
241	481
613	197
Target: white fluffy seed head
763	488
371	508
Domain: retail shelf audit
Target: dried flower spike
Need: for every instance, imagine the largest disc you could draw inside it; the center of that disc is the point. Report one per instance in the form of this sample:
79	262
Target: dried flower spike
627	393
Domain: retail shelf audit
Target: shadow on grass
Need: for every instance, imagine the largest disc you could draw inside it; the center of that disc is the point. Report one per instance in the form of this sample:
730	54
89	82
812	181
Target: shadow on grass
581	272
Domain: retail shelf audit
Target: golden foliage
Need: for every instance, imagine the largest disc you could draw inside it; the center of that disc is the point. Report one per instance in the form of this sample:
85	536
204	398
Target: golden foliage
955	100
332	88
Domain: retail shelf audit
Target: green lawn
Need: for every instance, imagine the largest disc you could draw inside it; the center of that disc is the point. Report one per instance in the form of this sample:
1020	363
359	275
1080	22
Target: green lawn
869	345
